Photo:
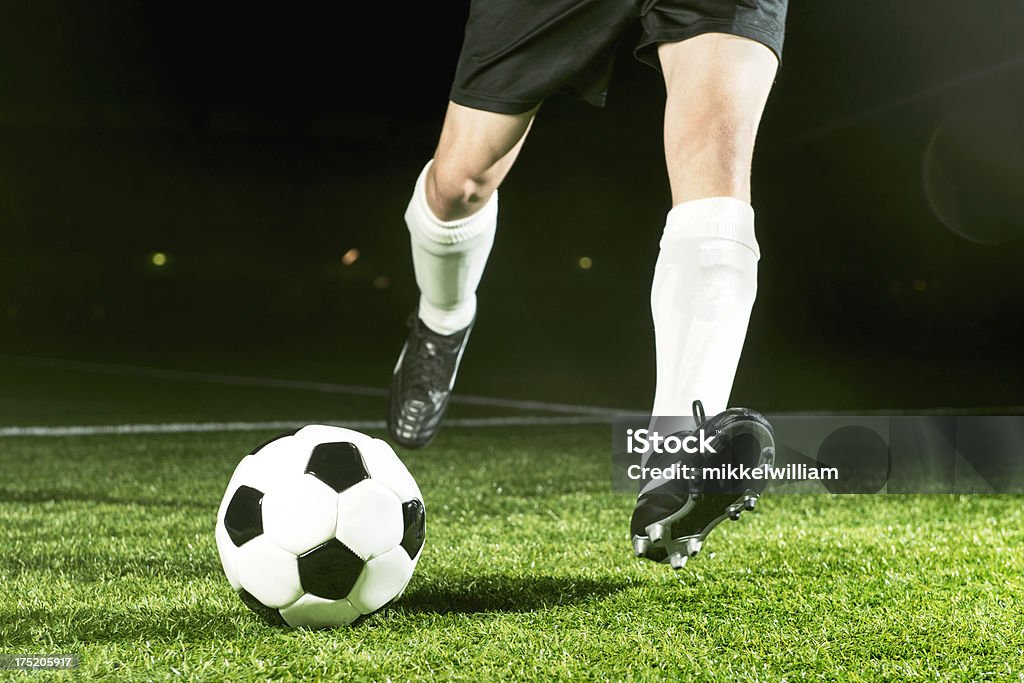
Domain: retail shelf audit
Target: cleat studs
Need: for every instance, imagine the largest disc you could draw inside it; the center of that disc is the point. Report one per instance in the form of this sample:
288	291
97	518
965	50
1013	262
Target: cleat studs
749	503
693	546
734	515
656	532
640	546
677	560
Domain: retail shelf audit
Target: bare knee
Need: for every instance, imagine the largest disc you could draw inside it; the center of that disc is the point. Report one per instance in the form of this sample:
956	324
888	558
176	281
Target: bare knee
454	193
709	154
476	149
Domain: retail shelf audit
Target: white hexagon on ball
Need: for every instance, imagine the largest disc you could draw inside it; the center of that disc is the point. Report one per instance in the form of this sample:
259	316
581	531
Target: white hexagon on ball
381	580
385	467
268	572
369	519
300	513
314	612
283	457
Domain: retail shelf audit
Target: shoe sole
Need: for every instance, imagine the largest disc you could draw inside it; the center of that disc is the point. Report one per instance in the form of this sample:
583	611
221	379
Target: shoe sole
678	550
661	546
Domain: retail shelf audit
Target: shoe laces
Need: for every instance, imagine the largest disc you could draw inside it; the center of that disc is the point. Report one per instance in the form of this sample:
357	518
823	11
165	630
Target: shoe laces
433	353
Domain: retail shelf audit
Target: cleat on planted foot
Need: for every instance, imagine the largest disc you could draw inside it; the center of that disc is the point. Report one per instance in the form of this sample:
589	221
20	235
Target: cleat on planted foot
677	560
672	518
655	533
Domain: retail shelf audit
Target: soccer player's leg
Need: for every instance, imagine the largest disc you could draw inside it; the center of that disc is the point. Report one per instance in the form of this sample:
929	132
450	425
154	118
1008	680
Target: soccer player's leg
705	278
451	220
513	57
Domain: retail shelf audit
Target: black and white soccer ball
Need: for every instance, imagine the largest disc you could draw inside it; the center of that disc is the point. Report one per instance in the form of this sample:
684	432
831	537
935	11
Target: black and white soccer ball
320	527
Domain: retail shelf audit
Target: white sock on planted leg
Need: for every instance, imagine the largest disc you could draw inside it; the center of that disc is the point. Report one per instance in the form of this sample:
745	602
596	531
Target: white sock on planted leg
449	259
705	282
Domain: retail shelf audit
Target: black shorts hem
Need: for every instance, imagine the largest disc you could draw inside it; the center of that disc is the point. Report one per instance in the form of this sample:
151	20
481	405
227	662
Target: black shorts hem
489	103
767	36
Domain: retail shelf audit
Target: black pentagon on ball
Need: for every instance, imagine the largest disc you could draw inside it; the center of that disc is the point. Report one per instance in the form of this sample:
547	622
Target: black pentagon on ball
267	614
339	465
330	570
244	517
415	517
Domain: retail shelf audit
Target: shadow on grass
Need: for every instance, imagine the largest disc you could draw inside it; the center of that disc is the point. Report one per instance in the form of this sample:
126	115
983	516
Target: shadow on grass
486	593
504	593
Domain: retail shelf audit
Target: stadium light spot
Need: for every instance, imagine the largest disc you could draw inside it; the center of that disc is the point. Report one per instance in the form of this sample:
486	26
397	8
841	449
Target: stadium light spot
158	259
382	282
585	263
350	257
920	285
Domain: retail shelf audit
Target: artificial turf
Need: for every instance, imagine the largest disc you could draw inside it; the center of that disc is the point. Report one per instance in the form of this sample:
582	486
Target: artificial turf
108	552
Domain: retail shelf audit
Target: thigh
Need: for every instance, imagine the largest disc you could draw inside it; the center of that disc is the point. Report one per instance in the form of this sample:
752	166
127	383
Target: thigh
718	71
716	88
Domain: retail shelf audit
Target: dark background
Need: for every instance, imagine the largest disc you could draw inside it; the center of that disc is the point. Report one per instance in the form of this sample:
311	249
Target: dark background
254	147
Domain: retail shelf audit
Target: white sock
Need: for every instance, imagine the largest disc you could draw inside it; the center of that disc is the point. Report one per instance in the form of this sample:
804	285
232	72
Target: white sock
449	259
705	282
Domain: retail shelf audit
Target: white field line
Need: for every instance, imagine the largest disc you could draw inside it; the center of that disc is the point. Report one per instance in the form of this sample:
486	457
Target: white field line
301	385
201	427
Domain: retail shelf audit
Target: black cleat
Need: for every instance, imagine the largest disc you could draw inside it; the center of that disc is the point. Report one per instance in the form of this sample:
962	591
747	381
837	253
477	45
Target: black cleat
672	518
422	382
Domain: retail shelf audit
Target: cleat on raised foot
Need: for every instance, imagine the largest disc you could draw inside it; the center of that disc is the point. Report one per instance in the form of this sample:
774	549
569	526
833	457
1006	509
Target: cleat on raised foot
671	519
422	382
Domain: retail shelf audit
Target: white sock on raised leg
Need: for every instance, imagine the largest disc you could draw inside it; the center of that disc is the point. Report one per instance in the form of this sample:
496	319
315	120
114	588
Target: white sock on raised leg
449	259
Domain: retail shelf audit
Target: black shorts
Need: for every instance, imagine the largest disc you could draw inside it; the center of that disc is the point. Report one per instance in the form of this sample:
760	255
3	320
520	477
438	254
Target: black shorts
518	52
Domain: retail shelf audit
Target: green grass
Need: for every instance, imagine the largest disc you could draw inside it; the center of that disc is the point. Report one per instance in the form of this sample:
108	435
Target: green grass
108	552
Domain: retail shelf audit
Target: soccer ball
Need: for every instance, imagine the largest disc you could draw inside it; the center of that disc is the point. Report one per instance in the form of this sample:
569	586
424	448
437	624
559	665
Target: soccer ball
320	527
